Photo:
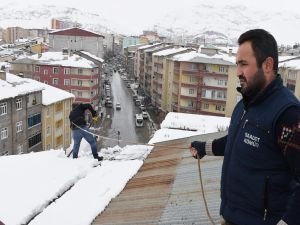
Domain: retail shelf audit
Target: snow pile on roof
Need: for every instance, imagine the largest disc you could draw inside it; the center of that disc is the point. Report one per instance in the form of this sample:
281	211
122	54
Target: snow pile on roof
180	125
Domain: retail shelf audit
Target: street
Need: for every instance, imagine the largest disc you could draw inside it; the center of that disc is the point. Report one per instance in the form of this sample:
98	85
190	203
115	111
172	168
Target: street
120	124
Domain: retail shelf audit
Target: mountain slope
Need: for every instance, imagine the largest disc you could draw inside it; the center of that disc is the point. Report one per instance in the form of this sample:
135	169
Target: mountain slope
207	20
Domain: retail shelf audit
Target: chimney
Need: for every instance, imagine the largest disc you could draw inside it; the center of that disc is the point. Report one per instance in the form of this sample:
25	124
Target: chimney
2	73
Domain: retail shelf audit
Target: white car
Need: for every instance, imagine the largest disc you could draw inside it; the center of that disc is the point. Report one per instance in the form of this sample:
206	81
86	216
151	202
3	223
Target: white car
118	106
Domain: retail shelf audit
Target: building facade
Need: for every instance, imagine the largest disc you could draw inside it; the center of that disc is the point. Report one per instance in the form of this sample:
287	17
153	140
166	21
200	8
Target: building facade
77	39
69	72
20	116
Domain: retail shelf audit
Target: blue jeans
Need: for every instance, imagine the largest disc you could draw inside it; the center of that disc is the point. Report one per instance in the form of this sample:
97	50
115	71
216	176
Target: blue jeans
78	134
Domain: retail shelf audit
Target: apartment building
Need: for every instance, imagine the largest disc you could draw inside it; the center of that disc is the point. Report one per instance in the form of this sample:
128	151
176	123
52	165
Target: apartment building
77	39
289	68
20	116
144	64
57	105
69	72
160	77
199	83
11	34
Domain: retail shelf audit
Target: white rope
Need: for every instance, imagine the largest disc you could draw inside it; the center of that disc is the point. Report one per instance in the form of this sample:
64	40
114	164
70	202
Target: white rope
94	133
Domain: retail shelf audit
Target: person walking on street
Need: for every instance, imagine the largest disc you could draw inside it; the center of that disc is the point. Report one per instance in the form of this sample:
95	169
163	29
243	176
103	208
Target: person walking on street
260	181
80	128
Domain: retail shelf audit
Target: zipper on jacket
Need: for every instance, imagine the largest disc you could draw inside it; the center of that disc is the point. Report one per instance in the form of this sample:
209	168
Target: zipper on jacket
229	156
246	121
243	114
266	199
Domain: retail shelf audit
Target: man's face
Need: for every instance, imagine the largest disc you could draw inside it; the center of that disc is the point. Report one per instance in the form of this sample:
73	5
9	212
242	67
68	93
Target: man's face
252	79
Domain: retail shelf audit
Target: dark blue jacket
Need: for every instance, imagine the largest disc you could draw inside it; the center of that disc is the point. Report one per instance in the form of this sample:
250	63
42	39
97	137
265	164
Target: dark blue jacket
257	183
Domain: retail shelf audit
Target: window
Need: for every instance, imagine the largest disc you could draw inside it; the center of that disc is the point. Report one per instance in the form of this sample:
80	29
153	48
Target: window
34	100
80	71
45	72
4	133
92	93
37	69
19	126
20	149
3	108
192	79
48	112
205	106
191	91
79	93
79	82
34	120
55	81
67	82
220	108
221	69
19	103
194	66
67	71
34	140
55	70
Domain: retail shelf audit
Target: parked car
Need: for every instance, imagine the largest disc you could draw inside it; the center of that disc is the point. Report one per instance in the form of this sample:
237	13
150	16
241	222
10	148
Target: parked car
143	108
134	97
118	106
144	115
138	102
139	120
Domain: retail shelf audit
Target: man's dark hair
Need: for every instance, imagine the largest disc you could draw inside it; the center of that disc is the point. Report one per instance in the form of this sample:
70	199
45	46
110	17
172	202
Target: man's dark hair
263	44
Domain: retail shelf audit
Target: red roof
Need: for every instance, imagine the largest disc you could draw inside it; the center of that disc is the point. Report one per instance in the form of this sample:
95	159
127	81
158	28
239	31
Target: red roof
76	32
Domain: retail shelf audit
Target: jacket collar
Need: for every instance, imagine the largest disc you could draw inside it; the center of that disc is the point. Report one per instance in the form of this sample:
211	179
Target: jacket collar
261	96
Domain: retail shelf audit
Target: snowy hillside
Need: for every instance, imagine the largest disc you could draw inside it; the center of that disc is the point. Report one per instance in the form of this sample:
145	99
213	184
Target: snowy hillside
223	21
39	16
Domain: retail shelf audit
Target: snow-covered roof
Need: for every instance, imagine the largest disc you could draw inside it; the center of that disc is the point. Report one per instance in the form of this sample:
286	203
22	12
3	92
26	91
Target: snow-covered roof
59	59
148	46
169	51
93	56
202	58
50	94
181	125
290	62
11	88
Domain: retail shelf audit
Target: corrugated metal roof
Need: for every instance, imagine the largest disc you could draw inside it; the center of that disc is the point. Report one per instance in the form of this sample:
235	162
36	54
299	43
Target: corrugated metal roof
166	189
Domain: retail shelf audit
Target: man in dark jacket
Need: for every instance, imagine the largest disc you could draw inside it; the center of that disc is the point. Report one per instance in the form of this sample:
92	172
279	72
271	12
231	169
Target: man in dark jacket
261	167
80	129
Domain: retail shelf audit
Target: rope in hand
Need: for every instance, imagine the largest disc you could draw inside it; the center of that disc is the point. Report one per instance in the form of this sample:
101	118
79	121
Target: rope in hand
203	193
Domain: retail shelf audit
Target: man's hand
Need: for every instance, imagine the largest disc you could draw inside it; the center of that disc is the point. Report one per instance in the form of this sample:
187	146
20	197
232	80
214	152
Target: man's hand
193	151
95	119
197	149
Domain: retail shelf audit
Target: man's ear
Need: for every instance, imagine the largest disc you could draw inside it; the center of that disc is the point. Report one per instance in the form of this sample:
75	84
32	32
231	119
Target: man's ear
268	65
